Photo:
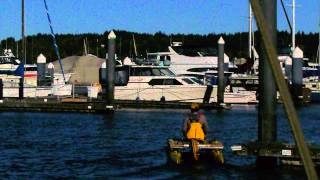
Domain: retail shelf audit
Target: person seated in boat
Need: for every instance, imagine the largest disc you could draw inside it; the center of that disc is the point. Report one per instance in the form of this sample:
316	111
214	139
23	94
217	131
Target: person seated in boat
195	125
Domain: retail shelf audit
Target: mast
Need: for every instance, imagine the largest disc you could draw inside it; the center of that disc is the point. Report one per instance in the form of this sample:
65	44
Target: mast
319	45
250	31
134	46
24	49
293	24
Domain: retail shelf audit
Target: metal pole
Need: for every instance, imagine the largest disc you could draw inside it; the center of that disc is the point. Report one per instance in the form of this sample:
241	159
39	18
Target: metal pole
24	56
1	89
24	51
250	31
297	76
220	70
21	88
267	127
111	66
284	91
293	25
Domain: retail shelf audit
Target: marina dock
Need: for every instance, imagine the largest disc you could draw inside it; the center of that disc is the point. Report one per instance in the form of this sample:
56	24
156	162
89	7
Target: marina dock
88	106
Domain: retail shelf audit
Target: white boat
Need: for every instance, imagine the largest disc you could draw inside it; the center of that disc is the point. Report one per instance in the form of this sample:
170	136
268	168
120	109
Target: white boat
8	63
154	83
181	64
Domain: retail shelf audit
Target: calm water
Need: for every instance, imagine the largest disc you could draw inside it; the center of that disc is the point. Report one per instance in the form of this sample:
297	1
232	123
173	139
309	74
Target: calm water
130	144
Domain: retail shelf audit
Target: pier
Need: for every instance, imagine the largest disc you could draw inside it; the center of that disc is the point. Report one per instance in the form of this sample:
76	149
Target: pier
53	104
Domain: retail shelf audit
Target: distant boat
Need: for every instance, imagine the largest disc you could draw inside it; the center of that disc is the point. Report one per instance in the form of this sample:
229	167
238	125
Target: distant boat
9	64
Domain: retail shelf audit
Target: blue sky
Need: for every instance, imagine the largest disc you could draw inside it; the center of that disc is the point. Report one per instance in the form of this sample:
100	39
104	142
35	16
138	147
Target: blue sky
169	16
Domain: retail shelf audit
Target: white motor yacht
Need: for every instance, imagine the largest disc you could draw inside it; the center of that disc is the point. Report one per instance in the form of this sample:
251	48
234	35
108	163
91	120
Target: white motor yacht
153	83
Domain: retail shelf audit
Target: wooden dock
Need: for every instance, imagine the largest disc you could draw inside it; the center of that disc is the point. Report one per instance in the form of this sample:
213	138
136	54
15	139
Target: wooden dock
86	105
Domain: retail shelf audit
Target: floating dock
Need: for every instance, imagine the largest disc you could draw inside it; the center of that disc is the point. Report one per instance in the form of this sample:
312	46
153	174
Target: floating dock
87	105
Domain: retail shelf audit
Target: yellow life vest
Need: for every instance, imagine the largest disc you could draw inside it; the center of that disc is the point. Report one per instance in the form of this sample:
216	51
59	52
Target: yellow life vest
196	131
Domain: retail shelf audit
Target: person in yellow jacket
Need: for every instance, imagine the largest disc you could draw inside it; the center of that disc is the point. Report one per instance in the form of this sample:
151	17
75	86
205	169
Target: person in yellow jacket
195	125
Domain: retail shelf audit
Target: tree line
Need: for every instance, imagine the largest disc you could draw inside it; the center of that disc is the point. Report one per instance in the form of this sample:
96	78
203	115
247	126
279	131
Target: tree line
96	44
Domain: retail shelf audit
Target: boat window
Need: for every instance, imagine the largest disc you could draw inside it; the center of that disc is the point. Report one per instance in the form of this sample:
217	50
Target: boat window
166	72
7	60
164	82
141	72
197	81
199	69
188	81
161	72
31	68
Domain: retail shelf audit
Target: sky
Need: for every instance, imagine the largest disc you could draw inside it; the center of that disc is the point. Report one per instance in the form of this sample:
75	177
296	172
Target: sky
150	16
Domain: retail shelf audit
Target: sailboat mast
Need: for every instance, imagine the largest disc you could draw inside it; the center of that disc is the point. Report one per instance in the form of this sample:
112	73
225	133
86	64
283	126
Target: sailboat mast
319	45
250	31
24	51
293	24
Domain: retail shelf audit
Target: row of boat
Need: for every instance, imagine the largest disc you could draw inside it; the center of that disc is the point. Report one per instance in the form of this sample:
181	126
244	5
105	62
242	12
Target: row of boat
168	76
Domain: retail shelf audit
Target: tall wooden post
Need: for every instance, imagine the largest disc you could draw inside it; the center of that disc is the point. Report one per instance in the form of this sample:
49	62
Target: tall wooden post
111	66
267	126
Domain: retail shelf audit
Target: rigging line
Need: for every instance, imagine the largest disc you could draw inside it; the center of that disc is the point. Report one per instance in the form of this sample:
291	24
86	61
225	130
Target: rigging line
56	48
287	17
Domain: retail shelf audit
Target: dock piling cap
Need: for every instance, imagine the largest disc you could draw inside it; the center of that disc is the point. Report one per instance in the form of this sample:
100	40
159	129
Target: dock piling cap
221	41
41	59
103	65
50	66
297	53
112	35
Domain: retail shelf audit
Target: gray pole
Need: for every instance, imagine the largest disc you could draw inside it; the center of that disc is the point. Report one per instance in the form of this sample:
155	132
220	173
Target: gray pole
220	70
267	127
24	48
41	69
1	89
24	51
111	66
51	72
297	76
21	88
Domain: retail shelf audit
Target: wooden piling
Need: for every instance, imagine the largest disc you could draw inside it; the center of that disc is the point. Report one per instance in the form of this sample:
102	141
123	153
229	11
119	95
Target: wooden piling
267	127
297	76
221	86
111	66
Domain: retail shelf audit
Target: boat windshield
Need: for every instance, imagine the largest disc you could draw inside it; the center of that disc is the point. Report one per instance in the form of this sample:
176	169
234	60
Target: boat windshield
197	81
7	60
151	71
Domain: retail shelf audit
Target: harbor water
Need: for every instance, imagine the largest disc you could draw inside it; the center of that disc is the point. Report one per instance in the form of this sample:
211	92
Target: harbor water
131	144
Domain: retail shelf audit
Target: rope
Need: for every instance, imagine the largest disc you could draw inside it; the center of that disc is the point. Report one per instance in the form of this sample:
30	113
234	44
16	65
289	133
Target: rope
55	45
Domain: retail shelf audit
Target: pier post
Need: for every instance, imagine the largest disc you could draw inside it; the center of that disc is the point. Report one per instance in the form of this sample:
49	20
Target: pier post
103	78
267	127
41	69
226	62
221	71
1	89
21	81
297	76
51	72
111	66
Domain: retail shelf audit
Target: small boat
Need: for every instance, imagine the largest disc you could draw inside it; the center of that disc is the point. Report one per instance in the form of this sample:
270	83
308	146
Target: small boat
180	151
